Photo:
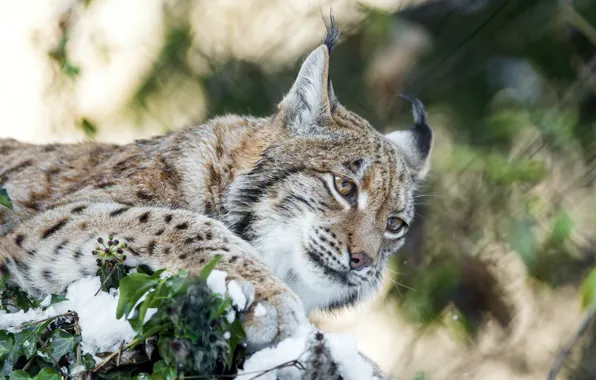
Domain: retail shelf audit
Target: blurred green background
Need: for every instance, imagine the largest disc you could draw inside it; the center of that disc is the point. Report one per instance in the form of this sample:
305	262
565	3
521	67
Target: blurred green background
489	284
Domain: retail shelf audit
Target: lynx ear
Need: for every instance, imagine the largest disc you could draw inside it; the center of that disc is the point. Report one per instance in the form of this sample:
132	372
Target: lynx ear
311	98
308	100
415	143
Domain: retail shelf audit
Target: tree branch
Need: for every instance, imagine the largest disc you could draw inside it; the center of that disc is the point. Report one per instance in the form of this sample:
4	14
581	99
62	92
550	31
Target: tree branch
564	353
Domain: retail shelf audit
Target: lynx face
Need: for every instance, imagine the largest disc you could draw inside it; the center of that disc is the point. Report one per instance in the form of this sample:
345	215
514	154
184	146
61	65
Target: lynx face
332	200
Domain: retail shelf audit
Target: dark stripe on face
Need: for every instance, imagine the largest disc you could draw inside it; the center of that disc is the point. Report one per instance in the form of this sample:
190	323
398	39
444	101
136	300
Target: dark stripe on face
264	175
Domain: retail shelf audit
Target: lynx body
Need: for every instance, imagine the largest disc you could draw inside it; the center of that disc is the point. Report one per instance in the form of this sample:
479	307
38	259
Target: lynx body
306	206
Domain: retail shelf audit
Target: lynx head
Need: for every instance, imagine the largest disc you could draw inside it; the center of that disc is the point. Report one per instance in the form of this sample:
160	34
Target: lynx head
331	200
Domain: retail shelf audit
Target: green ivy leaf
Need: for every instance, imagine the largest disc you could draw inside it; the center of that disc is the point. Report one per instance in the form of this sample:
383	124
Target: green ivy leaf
222	307
177	285
153	326
156	275
62	343
48	374
4	279
165	352
132	288
88	361
237	335
6	368
27	340
56	298
161	371
139	316
22	301
110	277
19	375
588	290
4	198
207	269
6	343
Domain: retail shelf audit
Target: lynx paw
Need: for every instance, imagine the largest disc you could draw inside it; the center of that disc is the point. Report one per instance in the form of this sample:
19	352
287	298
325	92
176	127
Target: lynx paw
268	322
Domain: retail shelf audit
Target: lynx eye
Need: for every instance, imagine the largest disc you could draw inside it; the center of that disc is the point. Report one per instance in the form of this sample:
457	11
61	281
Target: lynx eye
345	186
395	224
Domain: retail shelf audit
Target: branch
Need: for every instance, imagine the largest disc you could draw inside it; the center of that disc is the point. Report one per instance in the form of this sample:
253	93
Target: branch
564	353
77	330
105	280
292	363
44	346
113	354
68	313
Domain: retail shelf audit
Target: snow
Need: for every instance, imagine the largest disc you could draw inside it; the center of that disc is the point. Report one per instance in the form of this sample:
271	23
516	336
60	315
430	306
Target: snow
9	321
46	301
236	295
231	315
342	347
260	310
100	330
217	282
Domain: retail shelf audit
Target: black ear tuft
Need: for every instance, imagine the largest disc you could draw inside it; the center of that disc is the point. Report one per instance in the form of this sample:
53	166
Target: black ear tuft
423	130
333	32
415	143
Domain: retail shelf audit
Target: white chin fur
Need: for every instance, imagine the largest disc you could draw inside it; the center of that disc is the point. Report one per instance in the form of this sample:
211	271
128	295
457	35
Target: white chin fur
280	244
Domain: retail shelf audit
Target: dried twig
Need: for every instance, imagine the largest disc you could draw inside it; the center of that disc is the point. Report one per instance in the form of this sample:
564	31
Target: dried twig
104	281
47	350
564	353
119	354
292	363
30	361
77	330
113	354
68	313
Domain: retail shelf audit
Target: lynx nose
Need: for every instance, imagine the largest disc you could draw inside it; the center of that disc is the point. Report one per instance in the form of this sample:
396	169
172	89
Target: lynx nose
360	260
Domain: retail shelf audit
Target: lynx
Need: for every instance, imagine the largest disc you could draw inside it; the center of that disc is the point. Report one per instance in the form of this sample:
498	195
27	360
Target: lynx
306	206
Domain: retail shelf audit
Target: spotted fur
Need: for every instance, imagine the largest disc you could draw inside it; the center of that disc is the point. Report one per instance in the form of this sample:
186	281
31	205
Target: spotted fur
259	191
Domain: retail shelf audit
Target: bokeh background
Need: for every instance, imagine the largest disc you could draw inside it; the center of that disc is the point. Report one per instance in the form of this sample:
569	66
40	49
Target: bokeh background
489	285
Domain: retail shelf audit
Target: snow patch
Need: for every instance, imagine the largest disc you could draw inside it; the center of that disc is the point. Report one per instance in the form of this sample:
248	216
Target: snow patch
46	301
260	310
231	315
342	347
236	295
217	282
100	330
